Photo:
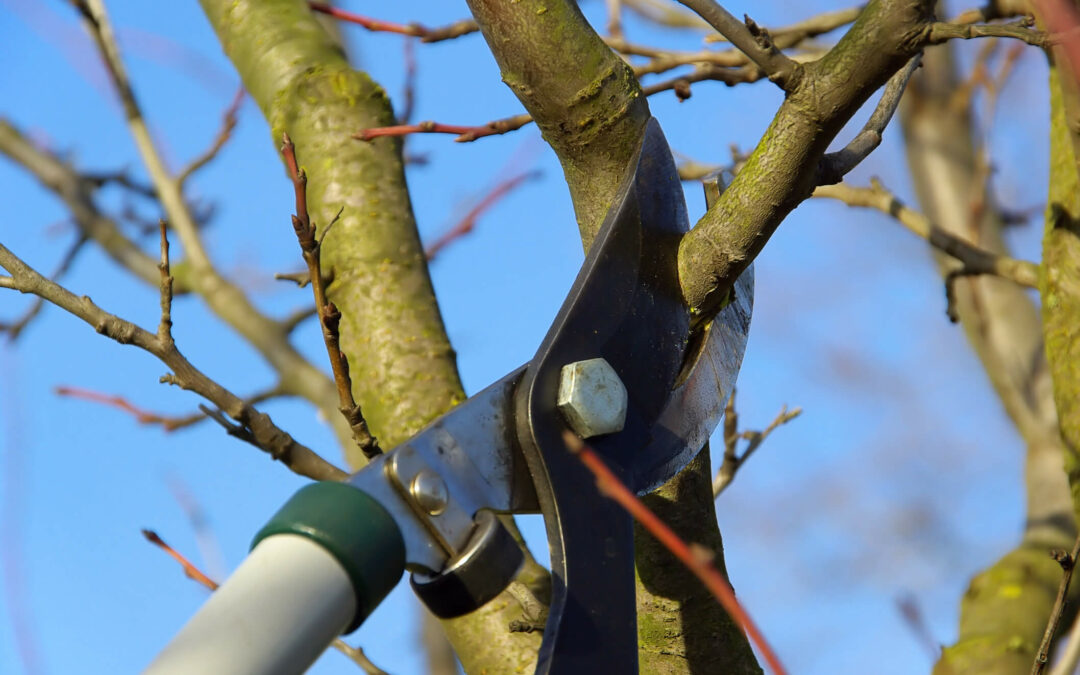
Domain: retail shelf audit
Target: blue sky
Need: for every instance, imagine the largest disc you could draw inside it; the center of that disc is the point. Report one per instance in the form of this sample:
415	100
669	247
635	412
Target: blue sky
900	479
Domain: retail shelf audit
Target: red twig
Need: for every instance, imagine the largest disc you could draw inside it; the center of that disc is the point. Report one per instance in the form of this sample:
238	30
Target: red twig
696	558
466	224
464	133
141	416
228	124
190	570
413	29
456	29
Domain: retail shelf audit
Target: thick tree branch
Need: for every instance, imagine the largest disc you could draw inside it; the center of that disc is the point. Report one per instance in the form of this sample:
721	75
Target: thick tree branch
775	177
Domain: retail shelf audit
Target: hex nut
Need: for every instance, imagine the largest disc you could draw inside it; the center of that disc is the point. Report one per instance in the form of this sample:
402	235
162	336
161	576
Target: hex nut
592	398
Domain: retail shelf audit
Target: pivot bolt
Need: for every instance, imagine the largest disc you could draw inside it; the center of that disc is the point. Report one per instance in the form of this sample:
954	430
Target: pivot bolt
592	398
429	491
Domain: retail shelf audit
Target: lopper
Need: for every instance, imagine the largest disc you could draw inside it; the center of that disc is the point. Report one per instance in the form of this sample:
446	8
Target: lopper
623	366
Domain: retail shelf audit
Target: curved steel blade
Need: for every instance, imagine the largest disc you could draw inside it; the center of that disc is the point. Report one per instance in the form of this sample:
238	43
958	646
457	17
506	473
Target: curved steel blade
697	404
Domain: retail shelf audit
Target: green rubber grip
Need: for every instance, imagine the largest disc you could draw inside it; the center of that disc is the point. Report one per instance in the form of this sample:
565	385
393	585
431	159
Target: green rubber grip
352	527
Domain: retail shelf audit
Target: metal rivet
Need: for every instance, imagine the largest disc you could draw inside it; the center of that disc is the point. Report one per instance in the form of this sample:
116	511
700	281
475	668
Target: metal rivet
430	492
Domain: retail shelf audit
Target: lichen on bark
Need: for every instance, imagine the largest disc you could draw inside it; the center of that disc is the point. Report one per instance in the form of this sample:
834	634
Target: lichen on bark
403	368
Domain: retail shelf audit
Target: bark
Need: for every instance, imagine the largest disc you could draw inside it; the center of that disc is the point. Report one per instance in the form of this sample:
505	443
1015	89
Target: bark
590	109
1004	612
1061	262
681	627
403	369
782	171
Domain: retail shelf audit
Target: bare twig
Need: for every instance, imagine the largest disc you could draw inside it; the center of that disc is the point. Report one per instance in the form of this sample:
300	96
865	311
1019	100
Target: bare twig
16	327
1070	655
752	40
329	316
466	224
143	416
228	123
301	279
268	437
449	32
1016	30
1068	562
732	460
77	193
464	133
355	654
974	259
223	297
614	18
164	331
293	321
835	165
792	34
696	558
913	618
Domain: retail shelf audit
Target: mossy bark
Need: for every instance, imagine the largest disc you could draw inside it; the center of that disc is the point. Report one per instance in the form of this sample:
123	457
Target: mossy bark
403	368
782	171
1060	287
1004	612
681	627
591	111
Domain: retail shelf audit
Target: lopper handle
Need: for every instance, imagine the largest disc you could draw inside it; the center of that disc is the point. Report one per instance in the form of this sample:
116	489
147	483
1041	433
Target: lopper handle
316	570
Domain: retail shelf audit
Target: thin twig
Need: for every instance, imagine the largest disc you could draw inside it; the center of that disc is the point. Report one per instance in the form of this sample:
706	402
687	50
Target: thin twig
164	331
1068	563
168	423
355	654
464	134
466	224
448	32
1069	660
913	618
696	558
835	165
77	192
16	327
268	436
732	460
752	40
973	258
329	316
228	123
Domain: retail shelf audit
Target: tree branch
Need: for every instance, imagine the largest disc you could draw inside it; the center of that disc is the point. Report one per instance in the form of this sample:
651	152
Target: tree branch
975	260
733	461
225	299
751	40
1068	563
264	433
76	191
835	165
